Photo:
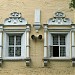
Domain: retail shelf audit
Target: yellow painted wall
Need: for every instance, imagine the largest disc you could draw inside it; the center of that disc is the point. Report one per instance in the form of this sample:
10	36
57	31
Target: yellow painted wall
27	8
54	68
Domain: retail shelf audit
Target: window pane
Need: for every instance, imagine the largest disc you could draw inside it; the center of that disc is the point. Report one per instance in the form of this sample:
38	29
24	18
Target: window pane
11	51
55	39
55	51
11	40
62	39
18	51
62	51
18	40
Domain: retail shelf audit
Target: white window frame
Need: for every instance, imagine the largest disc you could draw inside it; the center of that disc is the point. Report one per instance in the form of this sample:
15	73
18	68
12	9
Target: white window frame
6	45
14	46
67	41
59	44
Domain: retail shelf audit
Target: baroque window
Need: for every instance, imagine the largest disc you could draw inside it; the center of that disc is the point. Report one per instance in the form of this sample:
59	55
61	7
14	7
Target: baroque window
15	37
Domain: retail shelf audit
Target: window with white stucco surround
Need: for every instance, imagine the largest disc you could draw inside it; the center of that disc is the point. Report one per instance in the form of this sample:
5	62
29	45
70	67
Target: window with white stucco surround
16	37
57	38
14	45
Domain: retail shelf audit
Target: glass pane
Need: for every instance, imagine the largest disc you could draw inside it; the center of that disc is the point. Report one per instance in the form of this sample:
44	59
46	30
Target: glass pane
62	39
11	40
18	51
55	39
11	51
55	51
62	51
18	40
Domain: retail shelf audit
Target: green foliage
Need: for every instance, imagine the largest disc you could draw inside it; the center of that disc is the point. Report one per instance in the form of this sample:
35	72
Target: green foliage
72	4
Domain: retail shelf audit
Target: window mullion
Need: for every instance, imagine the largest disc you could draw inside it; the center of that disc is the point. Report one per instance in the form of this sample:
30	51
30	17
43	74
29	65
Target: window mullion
14	45
59	44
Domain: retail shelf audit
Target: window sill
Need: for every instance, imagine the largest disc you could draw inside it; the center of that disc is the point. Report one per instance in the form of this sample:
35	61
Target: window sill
59	58
14	58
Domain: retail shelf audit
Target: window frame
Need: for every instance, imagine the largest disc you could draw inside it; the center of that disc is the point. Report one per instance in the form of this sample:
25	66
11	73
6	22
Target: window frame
6	42
68	45
59	45
14	45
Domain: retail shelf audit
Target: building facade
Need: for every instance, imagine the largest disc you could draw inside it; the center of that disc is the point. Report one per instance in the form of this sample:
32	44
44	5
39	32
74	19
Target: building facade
37	37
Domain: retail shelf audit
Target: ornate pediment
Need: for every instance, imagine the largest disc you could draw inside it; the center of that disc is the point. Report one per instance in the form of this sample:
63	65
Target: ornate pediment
59	19
15	19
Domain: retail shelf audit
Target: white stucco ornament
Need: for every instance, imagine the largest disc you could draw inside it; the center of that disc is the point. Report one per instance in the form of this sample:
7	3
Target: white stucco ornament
59	19
15	19
37	24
